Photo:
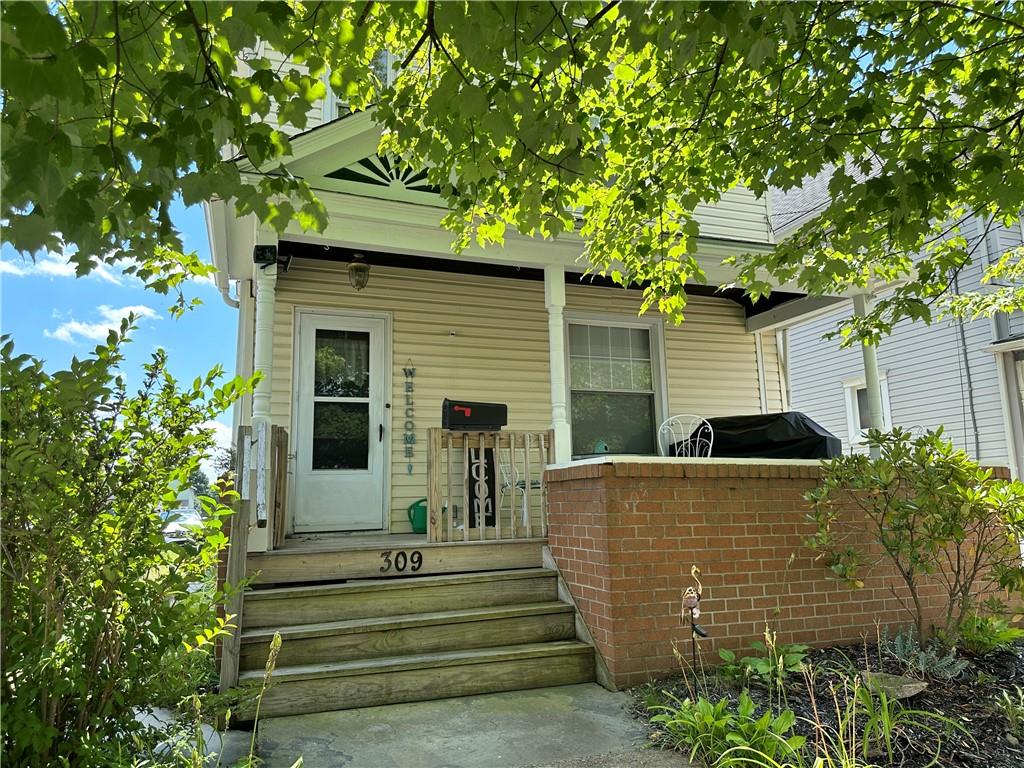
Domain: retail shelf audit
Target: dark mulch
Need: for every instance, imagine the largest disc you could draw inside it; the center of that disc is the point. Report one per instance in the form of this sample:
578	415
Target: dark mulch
968	700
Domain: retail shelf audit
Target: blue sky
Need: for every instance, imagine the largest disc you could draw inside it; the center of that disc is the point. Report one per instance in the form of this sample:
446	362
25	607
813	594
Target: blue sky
54	316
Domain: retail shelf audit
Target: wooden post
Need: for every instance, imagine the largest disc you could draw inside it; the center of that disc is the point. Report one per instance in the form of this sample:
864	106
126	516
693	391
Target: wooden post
434	511
238	539
450	511
513	480
280	504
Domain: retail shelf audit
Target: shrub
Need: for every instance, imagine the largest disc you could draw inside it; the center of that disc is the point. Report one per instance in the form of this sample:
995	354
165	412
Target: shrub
981	635
94	595
935	514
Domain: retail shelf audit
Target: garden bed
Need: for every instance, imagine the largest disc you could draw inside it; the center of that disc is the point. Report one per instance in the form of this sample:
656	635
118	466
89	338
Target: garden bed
969	699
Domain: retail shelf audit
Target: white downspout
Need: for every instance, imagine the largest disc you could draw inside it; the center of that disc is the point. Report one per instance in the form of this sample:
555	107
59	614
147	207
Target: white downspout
554	300
862	307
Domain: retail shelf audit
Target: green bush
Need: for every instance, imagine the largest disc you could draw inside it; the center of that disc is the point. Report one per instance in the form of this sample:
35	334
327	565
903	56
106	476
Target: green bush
94	596
936	515
1011	706
981	635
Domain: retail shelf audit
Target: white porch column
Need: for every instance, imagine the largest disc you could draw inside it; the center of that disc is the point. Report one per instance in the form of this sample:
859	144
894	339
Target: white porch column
554	300
263	343
861	307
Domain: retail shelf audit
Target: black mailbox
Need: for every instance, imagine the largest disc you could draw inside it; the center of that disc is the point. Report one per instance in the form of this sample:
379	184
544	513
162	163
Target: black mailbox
473	417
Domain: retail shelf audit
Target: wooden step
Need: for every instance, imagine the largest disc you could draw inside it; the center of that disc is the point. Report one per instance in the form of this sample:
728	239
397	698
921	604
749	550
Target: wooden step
284	606
417	633
285	566
420	677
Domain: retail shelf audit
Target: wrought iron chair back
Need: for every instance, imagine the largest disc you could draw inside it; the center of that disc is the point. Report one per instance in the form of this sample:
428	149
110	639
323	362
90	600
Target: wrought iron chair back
685	435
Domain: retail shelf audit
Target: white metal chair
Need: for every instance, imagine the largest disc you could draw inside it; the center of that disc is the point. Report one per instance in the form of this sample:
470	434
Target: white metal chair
685	435
511	483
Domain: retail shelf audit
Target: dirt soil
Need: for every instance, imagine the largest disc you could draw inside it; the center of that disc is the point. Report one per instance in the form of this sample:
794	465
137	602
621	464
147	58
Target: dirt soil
968	700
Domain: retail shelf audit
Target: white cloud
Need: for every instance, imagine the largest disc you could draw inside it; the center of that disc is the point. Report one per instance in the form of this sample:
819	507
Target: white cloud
222	440
73	331
56	265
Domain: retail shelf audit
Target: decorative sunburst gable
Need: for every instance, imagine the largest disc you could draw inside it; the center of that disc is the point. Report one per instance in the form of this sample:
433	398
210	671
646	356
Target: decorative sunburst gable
385	171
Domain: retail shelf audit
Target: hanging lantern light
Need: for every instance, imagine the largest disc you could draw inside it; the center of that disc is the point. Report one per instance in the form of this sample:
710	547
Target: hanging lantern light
358	272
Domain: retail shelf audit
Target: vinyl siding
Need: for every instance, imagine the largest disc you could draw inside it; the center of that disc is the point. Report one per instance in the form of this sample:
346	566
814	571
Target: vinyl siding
482	338
926	380
739	215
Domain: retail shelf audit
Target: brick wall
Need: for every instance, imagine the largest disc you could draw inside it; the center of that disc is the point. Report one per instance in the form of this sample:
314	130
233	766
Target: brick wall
624	536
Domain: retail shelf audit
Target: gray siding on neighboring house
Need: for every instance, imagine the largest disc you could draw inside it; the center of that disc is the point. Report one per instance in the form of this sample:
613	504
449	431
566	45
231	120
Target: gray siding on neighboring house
925	370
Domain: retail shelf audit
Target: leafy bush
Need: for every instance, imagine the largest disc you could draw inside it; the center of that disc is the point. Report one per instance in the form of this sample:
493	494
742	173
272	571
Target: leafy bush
936	515
709	730
981	635
94	595
930	661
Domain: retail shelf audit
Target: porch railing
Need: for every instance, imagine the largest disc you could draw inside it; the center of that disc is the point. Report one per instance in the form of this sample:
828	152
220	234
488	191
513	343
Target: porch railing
487	485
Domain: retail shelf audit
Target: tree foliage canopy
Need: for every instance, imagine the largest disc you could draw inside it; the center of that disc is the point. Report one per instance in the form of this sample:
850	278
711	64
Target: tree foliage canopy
612	119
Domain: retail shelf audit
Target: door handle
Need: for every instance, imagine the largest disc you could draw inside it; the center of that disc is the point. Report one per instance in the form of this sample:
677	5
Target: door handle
381	439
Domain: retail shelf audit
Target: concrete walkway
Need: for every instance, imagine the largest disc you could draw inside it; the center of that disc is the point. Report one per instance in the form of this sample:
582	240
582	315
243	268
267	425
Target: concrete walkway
573	726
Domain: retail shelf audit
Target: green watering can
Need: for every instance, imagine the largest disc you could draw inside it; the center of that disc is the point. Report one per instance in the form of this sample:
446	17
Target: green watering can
418	516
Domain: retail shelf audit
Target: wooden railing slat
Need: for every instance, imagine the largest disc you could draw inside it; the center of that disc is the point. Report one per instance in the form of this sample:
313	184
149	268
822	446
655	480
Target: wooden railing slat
449	508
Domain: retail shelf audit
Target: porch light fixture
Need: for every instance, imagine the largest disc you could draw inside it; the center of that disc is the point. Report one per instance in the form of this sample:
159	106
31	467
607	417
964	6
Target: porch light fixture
358	272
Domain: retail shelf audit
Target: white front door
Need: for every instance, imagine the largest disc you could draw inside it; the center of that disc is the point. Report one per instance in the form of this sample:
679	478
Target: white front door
339	426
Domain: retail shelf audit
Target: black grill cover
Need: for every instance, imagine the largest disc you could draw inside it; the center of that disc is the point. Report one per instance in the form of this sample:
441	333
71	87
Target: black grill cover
789	435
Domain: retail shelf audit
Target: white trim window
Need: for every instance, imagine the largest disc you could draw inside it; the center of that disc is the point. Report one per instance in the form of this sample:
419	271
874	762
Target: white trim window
613	388
858	419
385	65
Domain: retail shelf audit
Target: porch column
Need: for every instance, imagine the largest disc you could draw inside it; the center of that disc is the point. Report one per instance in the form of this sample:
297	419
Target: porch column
554	300
263	343
862	303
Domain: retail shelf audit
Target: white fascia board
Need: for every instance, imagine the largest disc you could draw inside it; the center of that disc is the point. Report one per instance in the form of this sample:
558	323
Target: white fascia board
793	312
317	141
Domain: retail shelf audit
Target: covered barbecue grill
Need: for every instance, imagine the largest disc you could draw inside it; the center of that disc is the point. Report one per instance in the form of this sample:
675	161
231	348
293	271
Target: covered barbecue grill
789	435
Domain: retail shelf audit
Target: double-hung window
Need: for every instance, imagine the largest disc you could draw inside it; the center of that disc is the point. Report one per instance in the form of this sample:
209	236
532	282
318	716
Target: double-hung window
612	389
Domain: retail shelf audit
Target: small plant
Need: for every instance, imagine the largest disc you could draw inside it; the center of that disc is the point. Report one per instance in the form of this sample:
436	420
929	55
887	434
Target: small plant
710	730
924	662
885	720
935	515
1011	706
982	635
770	668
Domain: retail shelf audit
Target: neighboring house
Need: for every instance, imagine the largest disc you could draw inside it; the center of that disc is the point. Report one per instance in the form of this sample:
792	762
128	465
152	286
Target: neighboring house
967	377
557	548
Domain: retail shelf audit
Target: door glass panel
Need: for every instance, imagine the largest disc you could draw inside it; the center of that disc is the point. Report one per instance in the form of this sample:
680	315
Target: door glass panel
341	363
341	435
612	422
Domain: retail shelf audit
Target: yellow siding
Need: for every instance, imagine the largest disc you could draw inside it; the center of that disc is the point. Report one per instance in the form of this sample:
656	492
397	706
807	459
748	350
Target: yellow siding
482	338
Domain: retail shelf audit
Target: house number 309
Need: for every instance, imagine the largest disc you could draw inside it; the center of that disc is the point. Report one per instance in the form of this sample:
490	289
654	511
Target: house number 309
413	561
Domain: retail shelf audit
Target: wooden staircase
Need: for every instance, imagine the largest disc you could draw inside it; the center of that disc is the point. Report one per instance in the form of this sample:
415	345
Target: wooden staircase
366	642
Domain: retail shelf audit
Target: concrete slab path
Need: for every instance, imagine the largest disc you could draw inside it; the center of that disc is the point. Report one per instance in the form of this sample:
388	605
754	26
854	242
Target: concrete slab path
573	726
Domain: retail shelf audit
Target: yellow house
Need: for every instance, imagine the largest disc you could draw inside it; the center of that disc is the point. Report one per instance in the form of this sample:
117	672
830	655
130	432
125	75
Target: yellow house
362	331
